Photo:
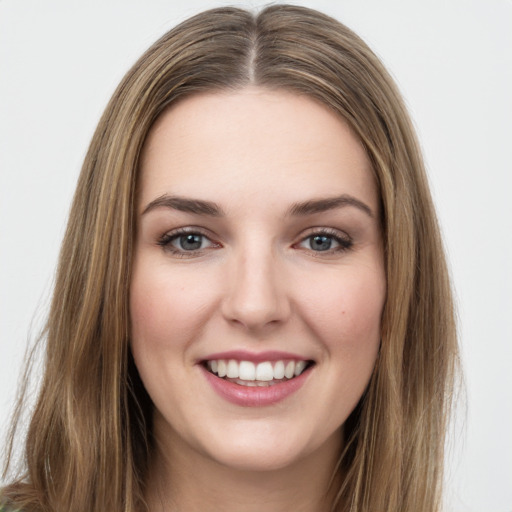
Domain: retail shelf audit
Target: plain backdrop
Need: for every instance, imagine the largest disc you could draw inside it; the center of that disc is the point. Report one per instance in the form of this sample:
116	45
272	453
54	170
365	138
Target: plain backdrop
60	61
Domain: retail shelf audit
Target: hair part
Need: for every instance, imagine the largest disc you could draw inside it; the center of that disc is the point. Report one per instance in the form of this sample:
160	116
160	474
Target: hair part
89	440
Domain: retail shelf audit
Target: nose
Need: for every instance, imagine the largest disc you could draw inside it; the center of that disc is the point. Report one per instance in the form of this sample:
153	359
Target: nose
256	296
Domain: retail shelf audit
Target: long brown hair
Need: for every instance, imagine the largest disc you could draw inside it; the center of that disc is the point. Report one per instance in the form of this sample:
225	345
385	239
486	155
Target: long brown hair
89	439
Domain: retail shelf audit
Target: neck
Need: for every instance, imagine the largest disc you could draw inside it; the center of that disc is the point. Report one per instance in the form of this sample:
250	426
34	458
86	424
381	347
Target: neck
186	481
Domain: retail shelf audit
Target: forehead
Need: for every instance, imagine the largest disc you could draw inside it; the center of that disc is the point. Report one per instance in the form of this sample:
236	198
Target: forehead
253	142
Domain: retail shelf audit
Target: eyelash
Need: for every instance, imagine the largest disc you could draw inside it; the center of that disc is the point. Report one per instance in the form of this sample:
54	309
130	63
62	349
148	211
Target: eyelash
165	241
345	243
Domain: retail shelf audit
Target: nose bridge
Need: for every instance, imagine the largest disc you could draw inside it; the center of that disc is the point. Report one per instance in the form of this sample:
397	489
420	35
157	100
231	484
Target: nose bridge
257	293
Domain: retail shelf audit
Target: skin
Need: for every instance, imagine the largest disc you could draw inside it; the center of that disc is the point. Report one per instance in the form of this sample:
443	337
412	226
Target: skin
257	283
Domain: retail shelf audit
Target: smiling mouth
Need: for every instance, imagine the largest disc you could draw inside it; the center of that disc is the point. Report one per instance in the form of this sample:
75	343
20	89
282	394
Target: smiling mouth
263	374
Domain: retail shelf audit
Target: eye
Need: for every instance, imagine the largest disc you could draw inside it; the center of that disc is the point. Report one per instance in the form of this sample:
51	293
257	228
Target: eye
183	242
326	241
189	242
320	242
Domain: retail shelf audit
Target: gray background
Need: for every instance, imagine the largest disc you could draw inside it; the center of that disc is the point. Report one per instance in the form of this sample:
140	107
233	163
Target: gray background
60	61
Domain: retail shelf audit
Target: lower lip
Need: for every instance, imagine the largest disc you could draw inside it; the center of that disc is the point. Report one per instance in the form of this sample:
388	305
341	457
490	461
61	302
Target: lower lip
246	396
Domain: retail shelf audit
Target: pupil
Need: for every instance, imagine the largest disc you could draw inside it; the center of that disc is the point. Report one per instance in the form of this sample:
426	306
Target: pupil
190	242
321	243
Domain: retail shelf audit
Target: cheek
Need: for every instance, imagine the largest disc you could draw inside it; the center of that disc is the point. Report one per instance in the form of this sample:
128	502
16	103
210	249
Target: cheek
165	306
346	314
164	314
150	316
152	311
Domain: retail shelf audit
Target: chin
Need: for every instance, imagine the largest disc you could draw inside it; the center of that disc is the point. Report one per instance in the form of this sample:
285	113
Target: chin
271	448
249	458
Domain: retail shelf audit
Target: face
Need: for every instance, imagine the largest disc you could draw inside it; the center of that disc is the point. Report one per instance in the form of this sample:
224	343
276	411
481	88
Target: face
258	280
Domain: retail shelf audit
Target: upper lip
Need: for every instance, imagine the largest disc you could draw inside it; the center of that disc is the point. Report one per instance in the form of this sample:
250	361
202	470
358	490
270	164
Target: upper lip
255	357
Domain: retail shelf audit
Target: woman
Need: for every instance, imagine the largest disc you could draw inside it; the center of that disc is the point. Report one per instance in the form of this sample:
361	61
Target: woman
252	307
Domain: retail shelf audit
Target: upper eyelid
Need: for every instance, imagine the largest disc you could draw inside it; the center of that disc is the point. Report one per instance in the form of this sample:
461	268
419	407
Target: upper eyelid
334	232
340	236
303	235
188	230
173	235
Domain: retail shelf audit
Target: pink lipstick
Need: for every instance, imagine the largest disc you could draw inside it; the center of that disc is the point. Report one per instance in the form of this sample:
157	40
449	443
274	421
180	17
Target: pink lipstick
255	379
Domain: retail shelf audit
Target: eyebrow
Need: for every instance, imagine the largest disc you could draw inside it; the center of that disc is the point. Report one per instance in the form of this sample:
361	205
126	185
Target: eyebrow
185	204
331	203
201	207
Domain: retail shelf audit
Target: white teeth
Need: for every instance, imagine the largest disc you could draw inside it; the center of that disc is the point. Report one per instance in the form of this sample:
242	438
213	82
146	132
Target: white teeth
289	371
263	373
221	369
247	370
232	369
299	367
279	370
